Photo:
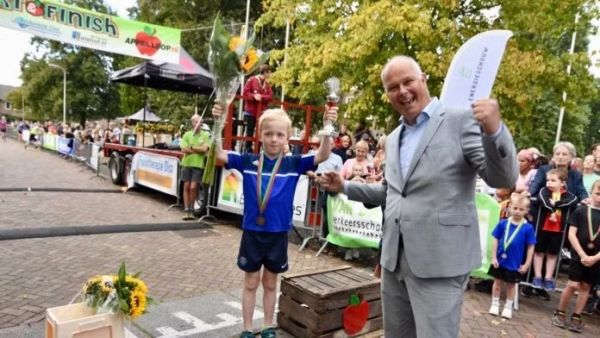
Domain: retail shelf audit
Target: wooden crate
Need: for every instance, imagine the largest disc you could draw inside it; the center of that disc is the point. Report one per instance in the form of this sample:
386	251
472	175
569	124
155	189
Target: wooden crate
80	321
311	304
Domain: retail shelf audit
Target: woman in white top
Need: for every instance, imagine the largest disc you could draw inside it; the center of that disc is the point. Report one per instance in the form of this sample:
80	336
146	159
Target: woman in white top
361	149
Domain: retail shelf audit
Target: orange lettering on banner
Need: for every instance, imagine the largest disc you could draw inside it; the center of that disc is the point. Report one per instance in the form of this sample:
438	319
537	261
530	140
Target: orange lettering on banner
148	176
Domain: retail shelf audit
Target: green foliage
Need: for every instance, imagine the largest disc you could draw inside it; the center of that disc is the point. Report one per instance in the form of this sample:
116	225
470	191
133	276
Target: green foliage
352	40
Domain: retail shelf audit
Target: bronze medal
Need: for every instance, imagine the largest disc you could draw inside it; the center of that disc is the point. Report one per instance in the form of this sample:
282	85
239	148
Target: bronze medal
590	245
260	220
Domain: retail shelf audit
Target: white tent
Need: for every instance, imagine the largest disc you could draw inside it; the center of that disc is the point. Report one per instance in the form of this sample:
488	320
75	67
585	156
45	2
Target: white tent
139	116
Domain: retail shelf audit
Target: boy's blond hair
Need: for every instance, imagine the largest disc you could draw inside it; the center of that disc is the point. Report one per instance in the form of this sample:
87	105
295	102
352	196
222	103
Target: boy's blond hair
516	198
275	114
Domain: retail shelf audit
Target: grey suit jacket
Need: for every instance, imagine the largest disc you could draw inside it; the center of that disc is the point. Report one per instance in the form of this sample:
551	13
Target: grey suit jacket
433	208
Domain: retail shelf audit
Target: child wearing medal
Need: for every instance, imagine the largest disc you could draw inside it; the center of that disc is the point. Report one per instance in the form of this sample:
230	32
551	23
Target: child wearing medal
555	202
269	184
510	239
584	269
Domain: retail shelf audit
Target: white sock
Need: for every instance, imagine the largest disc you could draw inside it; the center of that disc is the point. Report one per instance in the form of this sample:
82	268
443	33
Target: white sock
509	304
495	300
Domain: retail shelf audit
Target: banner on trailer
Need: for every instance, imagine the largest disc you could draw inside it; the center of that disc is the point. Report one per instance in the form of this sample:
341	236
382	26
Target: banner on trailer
351	224
54	20
231	195
156	172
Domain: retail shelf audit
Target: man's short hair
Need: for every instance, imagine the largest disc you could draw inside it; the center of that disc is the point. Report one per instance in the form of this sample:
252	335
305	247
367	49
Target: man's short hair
396	59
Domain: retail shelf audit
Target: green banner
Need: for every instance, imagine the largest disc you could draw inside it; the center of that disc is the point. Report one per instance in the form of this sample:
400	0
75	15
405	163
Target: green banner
351	225
488	211
69	24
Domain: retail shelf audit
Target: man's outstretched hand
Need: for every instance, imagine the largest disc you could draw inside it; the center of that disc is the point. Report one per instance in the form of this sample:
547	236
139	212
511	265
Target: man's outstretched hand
331	181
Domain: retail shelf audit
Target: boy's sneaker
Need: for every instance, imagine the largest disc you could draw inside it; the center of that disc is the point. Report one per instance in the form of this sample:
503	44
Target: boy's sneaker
268	333
537	282
495	310
549	285
507	312
576	324
247	334
559	319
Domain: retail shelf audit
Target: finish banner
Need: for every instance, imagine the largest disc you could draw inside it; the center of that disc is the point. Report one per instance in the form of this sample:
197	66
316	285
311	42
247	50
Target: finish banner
69	24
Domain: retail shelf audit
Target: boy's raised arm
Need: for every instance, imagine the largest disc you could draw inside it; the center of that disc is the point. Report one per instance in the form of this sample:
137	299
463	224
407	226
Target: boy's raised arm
325	148
217	111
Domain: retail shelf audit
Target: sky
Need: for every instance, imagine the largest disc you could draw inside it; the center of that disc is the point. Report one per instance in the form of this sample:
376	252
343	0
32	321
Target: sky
17	44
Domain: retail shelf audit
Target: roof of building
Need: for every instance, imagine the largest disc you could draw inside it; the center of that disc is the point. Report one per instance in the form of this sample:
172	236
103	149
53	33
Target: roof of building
4	90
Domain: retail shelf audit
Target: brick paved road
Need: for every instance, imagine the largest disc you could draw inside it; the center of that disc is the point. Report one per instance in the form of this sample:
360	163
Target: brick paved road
39	273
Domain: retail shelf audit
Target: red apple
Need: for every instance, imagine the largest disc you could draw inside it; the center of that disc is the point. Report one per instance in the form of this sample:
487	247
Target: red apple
146	42
355	315
35	8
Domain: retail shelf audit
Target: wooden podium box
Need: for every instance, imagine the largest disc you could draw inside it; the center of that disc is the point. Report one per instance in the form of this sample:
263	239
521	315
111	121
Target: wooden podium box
79	321
311	304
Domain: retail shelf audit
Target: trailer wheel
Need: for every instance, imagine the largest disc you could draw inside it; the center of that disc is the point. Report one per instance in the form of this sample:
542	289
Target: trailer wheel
115	168
126	169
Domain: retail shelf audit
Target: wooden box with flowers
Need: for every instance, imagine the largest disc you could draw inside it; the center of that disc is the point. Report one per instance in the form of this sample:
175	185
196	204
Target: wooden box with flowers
107	301
342	302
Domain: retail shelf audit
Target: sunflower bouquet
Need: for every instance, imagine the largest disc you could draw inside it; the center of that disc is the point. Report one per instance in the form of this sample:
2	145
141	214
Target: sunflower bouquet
229	57
123	293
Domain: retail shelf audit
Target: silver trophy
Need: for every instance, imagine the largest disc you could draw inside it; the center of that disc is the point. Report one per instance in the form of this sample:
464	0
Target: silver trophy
333	85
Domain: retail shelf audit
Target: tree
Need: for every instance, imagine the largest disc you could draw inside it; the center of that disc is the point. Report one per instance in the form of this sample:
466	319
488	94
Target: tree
353	39
89	94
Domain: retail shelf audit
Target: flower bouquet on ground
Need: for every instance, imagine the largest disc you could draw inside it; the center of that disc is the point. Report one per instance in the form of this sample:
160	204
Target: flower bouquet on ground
229	58
121	294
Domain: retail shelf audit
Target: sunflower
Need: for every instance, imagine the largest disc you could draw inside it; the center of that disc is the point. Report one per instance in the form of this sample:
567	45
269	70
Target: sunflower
137	284
249	60
137	302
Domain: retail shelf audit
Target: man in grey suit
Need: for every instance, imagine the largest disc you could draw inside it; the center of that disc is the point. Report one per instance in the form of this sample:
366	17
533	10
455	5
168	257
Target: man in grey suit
431	233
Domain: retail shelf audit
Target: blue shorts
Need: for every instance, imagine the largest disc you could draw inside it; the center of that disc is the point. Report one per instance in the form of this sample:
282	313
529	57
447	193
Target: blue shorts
259	248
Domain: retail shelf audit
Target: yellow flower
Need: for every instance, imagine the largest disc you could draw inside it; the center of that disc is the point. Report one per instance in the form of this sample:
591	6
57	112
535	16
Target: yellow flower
249	60
137	302
106	284
235	43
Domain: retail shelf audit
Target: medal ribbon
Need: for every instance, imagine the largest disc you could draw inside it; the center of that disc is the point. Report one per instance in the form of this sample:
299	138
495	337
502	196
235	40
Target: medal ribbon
590	227
508	241
263	200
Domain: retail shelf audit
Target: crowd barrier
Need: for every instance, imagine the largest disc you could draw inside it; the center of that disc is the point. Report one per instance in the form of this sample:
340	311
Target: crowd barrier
87	153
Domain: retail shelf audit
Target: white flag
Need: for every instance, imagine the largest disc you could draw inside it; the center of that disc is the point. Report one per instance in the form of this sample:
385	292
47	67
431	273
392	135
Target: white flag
473	69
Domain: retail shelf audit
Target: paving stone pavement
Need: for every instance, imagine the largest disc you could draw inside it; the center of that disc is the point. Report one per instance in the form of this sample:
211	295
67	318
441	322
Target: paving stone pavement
39	273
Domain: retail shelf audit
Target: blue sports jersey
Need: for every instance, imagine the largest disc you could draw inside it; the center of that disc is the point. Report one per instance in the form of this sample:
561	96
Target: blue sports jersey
279	210
517	248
